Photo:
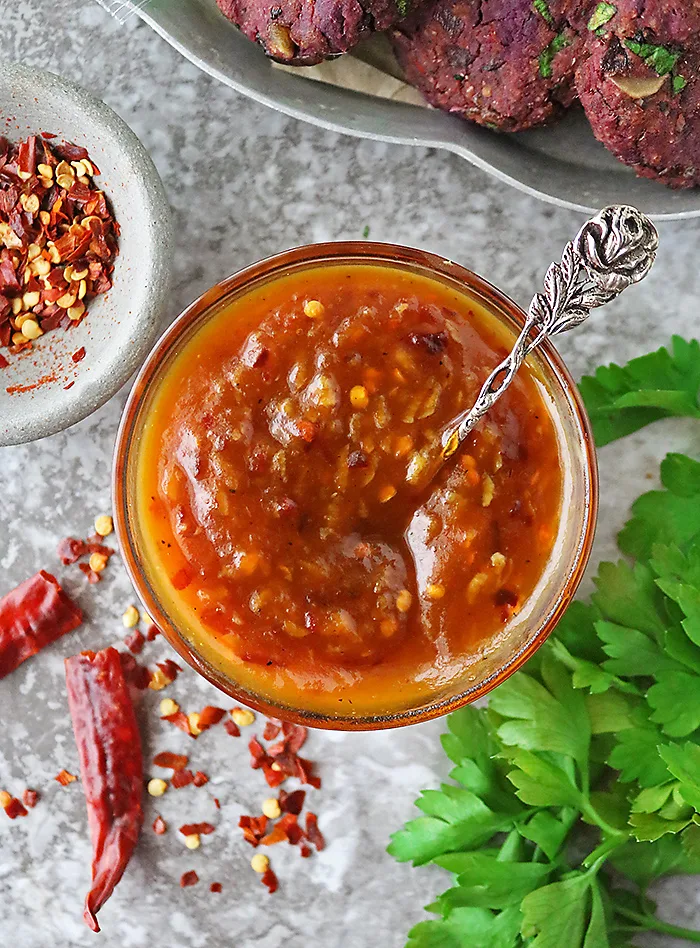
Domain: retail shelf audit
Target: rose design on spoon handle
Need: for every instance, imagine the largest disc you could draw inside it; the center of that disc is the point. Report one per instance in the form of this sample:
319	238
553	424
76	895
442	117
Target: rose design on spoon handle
613	250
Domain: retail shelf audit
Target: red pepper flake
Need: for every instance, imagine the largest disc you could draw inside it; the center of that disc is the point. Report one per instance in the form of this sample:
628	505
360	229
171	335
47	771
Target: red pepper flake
170	670
272	729
64	778
188	878
32	616
152	632
292	802
135	674
30	798
54	208
71	549
159	826
232	728
198	829
215	887
181	778
3	362
179	719
313	833
305	851
253	828
216	803
79	354
111	767
135	642
170	760
269	879
209	716
200	779
70	385
92	576
14	809
286	828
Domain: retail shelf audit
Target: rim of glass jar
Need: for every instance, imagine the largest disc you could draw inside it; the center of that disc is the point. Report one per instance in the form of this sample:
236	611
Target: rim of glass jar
277	266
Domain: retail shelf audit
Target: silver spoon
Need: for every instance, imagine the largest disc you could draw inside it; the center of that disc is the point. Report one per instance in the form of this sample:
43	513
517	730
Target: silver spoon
613	250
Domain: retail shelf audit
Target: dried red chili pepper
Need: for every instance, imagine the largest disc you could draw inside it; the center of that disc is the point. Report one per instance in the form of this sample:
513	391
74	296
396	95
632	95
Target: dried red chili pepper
170	760
30	798
189	878
32	616
111	767
199	829
269	879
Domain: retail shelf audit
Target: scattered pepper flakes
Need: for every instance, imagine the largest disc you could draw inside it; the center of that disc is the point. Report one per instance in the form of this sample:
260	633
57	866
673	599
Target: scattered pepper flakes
182	778
135	642
77	356
313	833
199	829
305	851
286	828
152	632
292	802
253	827
209	716
188	878
215	887
135	674
159	826
216	803
232	728
179	719
170	760
200	779
30	798
64	778
15	808
270	880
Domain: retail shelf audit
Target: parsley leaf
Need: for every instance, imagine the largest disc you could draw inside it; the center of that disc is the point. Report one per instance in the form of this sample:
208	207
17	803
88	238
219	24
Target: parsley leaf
679	83
555	914
546	57
602	14
659	58
623	399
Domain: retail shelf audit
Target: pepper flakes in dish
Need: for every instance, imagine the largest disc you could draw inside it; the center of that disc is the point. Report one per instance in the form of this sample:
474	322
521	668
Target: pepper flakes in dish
58	239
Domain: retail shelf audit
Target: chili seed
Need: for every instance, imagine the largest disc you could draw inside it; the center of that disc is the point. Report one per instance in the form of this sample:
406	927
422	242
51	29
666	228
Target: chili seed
76	311
260	863
386	493
29	300
359	397
488	491
157	787
168	707
271	808
5	799
435	591
243	717
31	329
130	619
104	525
193	721
404	600
193	841
314	309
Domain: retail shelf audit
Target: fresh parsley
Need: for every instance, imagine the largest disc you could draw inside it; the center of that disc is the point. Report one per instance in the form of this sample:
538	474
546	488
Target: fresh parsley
365	231
602	14
546	57
588	760
659	58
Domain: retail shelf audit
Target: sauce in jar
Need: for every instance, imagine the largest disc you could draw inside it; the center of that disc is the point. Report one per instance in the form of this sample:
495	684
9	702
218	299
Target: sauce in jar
284	491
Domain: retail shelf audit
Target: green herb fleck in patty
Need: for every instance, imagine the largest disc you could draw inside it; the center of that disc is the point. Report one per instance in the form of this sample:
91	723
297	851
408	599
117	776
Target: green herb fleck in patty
602	14
542	7
546	57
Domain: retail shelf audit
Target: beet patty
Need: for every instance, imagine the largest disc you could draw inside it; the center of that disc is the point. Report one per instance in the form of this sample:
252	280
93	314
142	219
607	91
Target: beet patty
640	90
304	32
507	64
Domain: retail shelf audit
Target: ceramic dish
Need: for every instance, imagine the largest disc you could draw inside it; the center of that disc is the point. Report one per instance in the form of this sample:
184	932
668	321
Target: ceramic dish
524	632
562	164
121	325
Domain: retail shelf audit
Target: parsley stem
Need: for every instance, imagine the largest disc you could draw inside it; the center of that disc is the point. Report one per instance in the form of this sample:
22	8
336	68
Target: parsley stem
603	850
652	923
602	824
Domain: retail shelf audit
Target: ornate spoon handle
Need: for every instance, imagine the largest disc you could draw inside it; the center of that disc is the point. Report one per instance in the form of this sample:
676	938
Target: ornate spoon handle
614	249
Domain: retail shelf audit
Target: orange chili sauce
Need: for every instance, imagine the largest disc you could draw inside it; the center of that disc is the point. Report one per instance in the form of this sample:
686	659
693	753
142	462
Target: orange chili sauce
289	524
